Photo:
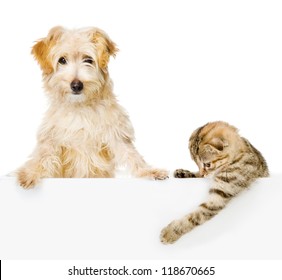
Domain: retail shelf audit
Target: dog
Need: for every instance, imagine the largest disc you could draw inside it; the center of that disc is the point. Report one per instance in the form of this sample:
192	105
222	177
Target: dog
85	132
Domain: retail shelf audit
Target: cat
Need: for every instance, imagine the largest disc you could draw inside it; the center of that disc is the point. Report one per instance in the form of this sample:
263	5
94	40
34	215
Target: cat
233	163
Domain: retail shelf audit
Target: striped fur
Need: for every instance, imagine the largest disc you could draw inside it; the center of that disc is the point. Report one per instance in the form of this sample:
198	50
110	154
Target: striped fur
232	161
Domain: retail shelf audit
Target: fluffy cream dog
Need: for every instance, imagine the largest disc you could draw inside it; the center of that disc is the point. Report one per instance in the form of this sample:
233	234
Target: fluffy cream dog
85	132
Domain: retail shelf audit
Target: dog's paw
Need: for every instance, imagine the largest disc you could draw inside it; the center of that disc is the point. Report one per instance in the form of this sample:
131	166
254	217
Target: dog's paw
182	173
160	174
154	173
171	233
27	180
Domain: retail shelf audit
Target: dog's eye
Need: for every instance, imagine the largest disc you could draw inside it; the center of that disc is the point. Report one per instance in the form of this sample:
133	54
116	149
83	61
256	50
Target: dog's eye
88	60
62	61
207	165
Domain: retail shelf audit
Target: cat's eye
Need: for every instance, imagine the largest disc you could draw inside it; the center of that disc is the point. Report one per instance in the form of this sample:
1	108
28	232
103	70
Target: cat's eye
88	60
207	165
62	60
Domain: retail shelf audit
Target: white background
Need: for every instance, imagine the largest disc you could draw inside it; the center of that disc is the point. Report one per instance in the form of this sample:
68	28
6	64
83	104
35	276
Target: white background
181	64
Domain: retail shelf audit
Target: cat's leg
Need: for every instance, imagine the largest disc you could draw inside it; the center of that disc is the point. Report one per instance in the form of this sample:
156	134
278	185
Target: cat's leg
182	173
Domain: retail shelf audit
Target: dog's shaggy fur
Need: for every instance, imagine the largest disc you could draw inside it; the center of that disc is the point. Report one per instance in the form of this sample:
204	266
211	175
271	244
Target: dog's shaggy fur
85	132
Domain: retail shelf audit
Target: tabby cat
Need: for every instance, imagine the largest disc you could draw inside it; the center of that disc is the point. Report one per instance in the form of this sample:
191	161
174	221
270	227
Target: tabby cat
232	161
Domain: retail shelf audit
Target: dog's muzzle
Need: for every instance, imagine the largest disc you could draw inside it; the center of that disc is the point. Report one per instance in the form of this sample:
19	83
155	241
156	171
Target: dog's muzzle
76	86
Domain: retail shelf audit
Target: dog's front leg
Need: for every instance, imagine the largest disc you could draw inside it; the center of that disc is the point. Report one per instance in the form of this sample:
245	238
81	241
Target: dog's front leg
44	162
128	155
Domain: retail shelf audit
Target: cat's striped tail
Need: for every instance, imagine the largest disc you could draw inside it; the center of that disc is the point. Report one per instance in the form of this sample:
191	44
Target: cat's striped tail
217	200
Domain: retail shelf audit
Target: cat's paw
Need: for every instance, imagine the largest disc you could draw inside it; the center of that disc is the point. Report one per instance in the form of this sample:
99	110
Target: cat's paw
27	179
154	173
182	173
171	233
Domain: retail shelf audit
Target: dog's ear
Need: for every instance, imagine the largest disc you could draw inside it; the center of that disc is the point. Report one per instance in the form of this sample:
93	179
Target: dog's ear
105	48
43	46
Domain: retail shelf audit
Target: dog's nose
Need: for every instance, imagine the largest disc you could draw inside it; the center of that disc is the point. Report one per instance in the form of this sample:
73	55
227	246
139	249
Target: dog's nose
76	86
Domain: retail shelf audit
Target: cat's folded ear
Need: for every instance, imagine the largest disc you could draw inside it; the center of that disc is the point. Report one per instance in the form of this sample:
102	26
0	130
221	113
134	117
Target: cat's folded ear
219	143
